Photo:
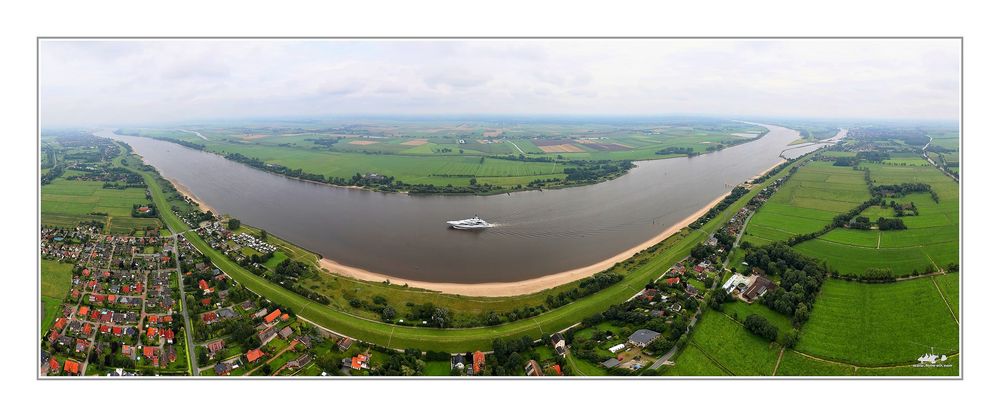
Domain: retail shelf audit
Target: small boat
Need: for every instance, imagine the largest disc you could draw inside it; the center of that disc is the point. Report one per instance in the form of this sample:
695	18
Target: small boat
469	224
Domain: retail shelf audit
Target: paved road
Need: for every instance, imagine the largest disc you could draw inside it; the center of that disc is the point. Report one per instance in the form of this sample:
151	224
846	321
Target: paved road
725	265
184	312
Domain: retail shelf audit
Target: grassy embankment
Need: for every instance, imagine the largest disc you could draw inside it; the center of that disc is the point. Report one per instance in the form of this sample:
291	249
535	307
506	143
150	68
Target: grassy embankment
452	340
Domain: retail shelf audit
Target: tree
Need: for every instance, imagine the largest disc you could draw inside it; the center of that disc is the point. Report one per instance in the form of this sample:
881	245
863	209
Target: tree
388	313
263	234
472	181
233	224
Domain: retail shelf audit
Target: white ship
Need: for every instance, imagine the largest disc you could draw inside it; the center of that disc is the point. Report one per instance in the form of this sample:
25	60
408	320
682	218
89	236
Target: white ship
468	224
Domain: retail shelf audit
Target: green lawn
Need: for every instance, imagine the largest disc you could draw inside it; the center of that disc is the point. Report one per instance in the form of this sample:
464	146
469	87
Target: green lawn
879	324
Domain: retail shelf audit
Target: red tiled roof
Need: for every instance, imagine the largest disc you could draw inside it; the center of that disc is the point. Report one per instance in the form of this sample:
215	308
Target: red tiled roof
151	332
117	331
72	367
148	351
673	281
86	272
270	317
53	364
87	328
478	360
84	310
253	355
202	284
60	323
284	317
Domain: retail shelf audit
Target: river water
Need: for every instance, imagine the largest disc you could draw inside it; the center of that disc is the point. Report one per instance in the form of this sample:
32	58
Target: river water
538	233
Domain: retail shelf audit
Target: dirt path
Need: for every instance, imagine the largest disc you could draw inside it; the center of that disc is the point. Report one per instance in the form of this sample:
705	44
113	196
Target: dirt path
781	354
946	303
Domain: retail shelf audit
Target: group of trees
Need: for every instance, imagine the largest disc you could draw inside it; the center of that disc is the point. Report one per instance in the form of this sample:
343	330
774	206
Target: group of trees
801	279
715	210
590	171
586	287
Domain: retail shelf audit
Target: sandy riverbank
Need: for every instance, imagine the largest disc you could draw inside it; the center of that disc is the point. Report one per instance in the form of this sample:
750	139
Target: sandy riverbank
187	193
529	286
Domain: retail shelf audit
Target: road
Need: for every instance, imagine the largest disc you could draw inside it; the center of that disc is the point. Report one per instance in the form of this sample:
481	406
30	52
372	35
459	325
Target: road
188	338
928	158
725	265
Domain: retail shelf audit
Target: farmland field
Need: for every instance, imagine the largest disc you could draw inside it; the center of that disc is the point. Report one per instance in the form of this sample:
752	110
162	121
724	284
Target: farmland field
796	364
446	153
930	241
733	347
693	362
807	202
878	324
66	203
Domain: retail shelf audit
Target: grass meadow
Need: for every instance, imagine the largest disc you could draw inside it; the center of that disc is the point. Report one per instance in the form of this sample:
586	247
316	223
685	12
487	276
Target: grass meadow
879	324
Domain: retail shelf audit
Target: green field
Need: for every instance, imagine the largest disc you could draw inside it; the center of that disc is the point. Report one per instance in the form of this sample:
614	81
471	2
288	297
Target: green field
451	340
731	347
930	240
807	202
796	364
55	285
66	203
879	324
693	362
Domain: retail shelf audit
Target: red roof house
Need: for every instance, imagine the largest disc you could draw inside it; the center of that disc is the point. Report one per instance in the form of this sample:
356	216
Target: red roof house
253	355
270	317
72	367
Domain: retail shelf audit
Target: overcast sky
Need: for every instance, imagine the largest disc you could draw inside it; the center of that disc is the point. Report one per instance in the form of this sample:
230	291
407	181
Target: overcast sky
166	81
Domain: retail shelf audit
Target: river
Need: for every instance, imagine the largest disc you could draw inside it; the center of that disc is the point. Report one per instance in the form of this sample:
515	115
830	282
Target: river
539	233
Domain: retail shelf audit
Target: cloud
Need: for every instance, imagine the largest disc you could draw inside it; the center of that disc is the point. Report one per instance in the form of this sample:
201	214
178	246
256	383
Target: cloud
107	82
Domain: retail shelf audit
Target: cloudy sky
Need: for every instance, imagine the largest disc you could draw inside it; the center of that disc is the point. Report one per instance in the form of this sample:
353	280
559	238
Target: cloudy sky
165	81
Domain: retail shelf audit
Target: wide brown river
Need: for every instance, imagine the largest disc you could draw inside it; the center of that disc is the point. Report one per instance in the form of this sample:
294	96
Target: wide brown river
538	233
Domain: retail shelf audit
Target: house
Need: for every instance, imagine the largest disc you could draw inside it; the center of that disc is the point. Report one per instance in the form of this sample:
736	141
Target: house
270	317
150	352
357	363
253	355
215	346
71	367
554	370
266	335
478	361
738	282
458	361
643	337
532	368
300	361
260	313
286	332
209	317
611	363
559	344
673	281
758	288
344	344
223	368
691	290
